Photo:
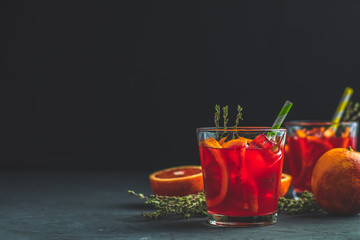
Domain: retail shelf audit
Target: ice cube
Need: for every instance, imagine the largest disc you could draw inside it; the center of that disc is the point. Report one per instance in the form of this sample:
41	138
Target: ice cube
261	142
269	157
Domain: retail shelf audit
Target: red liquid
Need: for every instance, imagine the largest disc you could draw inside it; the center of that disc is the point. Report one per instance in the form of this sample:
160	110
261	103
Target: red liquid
241	181
303	153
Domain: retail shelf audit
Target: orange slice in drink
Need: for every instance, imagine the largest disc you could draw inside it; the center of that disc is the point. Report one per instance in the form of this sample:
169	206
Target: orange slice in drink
329	133
285	184
211	142
218	178
237	142
216	175
300	133
346	132
221	141
177	181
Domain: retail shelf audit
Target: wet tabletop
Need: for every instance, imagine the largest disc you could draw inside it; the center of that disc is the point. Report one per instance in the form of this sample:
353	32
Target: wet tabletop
96	205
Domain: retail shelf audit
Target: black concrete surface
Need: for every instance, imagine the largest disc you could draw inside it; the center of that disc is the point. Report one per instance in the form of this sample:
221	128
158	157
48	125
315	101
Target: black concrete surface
95	205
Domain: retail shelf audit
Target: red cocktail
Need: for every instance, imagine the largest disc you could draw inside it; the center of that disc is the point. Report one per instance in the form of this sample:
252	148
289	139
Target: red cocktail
242	174
307	141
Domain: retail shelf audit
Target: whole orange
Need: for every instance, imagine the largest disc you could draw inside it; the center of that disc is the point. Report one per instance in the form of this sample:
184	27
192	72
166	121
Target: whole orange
335	181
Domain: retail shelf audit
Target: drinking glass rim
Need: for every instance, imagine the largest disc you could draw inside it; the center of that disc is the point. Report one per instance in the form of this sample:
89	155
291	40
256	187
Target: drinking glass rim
239	129
316	123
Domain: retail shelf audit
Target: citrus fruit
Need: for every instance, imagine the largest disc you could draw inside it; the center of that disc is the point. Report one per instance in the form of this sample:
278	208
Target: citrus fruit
335	181
211	142
329	133
238	142
221	141
300	133
216	176
177	181
285	184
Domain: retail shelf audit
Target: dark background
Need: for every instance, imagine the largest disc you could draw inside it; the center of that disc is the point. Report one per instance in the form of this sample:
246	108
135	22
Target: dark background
124	84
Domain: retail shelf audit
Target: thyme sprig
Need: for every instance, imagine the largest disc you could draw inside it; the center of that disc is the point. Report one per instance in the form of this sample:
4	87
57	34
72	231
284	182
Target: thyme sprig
217	116
304	204
225	115
238	116
352	111
186	206
195	205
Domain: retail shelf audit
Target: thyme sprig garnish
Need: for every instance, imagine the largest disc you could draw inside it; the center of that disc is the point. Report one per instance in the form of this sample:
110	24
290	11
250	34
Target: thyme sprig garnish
217	116
225	115
195	205
352	111
238	116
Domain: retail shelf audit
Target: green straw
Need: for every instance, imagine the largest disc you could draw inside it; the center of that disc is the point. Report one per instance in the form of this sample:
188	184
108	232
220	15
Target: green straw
281	116
341	107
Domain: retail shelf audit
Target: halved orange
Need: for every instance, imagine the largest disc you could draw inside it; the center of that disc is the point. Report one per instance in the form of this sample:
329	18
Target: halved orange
177	181
285	184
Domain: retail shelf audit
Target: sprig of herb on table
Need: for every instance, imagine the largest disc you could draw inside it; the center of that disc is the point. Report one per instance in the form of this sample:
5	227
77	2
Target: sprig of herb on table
304	204
195	205
186	206
352	111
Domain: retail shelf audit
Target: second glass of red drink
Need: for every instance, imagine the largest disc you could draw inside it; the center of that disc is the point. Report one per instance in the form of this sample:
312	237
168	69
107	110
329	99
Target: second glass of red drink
307	141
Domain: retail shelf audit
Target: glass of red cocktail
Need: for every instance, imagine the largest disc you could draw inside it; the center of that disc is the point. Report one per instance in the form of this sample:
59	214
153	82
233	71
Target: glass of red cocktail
242	172
308	140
